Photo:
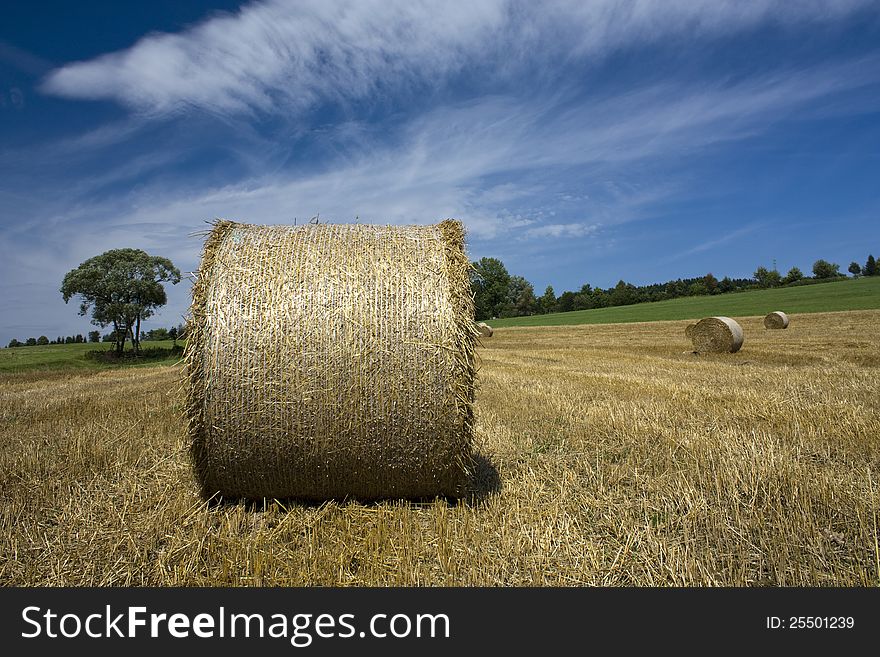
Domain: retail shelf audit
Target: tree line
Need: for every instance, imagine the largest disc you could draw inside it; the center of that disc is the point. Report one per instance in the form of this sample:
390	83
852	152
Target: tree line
153	335
123	287
498	293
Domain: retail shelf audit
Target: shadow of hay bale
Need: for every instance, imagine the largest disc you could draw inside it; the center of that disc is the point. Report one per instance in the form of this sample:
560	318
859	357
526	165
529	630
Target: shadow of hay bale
484	482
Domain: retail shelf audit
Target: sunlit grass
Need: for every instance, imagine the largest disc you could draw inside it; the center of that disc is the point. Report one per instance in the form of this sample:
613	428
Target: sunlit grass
623	459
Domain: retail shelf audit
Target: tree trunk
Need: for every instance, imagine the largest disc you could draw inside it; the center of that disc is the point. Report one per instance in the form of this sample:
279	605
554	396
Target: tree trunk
120	344
136	341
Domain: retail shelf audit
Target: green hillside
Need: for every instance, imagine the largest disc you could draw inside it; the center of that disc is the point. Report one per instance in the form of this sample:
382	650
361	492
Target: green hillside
860	294
73	356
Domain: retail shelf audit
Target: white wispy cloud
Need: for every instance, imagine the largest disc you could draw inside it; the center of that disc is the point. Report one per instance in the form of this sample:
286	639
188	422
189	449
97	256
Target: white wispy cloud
557	231
283	56
715	242
484	161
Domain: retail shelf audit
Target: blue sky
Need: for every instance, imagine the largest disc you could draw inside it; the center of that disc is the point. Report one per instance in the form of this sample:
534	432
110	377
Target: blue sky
579	142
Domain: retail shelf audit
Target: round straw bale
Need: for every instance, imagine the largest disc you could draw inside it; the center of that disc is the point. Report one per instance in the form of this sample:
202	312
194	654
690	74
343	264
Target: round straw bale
331	361
776	320
689	329
485	330
716	335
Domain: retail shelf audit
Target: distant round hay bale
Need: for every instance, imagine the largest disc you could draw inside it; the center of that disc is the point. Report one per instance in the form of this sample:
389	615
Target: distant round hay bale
715	335
689	329
331	361
776	320
485	330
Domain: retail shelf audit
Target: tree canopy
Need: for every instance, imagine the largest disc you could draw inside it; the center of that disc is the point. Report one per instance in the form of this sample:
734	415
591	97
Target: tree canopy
121	287
490	283
825	269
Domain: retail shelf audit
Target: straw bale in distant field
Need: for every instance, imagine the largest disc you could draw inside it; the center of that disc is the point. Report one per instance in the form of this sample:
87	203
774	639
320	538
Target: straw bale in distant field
485	330
776	320
715	335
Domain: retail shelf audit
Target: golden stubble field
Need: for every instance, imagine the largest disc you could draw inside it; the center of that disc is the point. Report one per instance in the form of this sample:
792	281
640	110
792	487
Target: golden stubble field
610	455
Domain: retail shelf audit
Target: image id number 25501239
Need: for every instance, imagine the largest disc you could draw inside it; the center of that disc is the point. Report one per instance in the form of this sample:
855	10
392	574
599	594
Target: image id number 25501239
810	622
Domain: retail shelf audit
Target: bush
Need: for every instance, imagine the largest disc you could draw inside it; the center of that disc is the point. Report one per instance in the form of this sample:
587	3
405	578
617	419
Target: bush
146	355
817	281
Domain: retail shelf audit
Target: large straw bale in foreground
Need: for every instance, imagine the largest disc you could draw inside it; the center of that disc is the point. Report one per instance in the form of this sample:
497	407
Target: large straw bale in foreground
485	330
776	320
331	361
715	335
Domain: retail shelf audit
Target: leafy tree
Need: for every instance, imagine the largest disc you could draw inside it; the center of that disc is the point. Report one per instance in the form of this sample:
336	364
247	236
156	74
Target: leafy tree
565	302
121	287
42	340
676	288
601	298
855	269
521	297
157	334
870	268
172	333
94	336
760	275
31	342
825	269
583	300
68	339
623	294
794	274
547	301
767	278
490	283
711	283
14	343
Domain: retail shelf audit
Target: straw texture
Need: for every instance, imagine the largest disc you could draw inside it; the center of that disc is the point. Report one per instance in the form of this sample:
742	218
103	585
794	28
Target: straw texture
485	330
715	335
776	320
332	361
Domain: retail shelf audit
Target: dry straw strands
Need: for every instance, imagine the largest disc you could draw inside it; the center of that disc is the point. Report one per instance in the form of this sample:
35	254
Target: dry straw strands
485	330
776	320
715	335
332	361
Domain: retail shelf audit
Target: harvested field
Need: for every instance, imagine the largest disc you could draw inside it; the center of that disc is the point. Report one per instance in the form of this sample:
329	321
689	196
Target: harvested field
610	456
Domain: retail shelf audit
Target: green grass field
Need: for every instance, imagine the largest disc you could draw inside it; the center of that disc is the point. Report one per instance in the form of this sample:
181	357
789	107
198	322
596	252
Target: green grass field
72	356
860	294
